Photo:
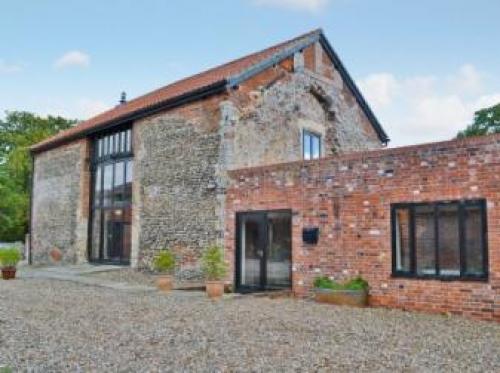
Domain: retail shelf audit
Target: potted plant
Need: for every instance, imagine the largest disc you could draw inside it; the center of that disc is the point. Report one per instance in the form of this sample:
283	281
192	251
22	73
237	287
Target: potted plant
351	293
215	269
9	257
164	264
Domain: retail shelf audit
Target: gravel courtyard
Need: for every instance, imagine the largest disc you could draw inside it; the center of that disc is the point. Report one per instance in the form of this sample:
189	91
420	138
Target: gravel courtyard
48	325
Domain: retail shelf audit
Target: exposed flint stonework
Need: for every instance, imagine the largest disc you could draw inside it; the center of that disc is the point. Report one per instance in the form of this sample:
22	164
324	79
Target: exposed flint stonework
60	200
182	156
267	126
176	157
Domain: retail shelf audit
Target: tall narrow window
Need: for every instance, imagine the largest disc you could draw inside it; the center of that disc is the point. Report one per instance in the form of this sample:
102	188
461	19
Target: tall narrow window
449	240
442	239
112	197
402	239
425	240
311	145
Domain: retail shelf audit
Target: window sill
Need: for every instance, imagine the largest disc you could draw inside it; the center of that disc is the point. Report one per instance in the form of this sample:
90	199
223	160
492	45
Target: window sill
440	278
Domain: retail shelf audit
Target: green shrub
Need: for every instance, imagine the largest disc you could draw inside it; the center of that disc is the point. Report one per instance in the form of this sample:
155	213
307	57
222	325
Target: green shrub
324	282
213	264
164	261
9	257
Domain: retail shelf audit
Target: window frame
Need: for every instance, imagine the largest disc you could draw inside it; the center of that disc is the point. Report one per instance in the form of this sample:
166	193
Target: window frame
311	134
109	148
461	204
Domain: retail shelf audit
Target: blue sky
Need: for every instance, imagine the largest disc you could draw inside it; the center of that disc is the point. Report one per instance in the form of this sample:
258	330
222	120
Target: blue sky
424	66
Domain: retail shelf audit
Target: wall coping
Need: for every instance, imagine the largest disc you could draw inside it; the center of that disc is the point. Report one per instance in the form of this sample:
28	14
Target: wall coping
371	154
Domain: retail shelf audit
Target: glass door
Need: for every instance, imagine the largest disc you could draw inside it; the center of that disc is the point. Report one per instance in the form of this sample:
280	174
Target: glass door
279	250
252	230
263	256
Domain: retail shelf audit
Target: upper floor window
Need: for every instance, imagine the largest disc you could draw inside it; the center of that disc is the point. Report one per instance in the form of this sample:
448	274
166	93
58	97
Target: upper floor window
440	240
311	145
114	145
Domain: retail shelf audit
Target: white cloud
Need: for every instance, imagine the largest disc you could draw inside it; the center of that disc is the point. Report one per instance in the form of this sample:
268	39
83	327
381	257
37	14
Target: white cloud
307	5
86	108
81	109
467	81
6	68
379	89
428	108
72	58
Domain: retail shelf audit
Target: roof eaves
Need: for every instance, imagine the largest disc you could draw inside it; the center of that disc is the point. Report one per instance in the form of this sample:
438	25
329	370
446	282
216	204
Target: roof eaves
352	86
191	96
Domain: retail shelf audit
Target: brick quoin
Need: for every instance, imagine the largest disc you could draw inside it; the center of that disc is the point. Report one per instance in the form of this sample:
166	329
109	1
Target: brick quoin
349	198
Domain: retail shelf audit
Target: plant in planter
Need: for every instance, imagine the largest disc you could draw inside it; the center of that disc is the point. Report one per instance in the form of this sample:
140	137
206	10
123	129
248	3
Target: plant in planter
351	293
9	258
215	269
164	264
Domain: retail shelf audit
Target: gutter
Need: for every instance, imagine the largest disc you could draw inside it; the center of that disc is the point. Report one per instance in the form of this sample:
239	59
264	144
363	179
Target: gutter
217	87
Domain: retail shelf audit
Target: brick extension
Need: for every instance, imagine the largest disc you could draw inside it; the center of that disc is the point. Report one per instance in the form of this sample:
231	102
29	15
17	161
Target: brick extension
349	198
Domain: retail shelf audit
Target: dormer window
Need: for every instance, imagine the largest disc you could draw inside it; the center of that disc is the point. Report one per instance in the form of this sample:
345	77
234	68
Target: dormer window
311	145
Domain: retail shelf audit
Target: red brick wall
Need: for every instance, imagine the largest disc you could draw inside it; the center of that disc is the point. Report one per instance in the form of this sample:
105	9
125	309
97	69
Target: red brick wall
349	198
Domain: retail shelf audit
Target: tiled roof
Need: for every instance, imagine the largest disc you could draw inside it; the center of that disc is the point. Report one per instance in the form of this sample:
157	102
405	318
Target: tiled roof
169	92
218	76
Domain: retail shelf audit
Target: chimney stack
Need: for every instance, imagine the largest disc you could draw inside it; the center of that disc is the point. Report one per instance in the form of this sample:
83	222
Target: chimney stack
123	98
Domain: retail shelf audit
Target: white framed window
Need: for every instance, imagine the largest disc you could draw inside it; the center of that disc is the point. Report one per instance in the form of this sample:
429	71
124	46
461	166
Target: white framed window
311	145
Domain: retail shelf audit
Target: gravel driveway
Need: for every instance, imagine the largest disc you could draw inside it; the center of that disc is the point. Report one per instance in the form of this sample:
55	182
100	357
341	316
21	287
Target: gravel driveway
48	325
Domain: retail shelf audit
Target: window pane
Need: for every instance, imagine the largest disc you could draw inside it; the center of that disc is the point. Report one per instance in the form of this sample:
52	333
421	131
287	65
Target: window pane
315	147
119	182
122	141
402	236
99	148
127	232
117	143
96	233
129	141
97	186
474	250
105	142
111	144
108	183
307	146
128	181
449	240
425	241
107	227
279	256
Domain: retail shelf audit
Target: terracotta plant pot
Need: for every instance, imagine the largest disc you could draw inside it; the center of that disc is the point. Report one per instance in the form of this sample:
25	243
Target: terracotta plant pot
214	289
9	273
356	298
165	282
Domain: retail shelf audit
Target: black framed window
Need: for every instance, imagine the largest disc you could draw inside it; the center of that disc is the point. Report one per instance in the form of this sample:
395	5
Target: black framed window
112	175
311	145
446	240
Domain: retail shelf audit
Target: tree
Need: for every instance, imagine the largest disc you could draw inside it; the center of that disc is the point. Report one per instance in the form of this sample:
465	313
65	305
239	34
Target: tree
486	121
18	132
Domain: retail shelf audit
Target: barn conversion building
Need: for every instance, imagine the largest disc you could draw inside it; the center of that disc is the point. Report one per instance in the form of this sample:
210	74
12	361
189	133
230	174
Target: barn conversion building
278	156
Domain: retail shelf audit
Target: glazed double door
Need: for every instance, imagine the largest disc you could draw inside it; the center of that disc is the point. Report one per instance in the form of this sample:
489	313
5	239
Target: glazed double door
264	251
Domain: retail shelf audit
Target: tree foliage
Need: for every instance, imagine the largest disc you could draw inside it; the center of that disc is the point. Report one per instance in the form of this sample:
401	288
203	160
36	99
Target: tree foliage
18	131
486	121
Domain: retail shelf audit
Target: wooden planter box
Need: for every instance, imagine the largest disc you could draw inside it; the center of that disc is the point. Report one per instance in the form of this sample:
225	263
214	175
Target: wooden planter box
356	298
